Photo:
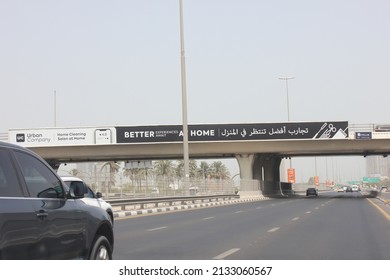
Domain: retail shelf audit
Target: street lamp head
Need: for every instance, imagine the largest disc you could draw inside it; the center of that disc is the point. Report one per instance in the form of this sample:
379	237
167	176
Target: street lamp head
286	78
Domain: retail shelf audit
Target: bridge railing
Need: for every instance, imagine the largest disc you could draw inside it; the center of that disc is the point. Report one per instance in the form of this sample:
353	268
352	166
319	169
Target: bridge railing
384	195
167	188
379	131
145	203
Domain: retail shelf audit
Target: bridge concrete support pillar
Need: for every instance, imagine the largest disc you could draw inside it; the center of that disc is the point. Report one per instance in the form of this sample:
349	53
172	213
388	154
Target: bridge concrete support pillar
260	174
248	186
245	162
266	169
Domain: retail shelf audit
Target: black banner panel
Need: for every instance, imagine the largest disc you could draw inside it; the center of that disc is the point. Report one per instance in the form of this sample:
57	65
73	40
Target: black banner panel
234	132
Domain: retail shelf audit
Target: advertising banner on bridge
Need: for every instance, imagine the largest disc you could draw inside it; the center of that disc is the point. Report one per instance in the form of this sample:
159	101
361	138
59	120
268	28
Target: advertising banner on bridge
43	137
234	132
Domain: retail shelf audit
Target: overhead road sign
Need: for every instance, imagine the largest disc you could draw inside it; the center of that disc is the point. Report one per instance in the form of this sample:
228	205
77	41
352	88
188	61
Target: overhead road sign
363	135
371	180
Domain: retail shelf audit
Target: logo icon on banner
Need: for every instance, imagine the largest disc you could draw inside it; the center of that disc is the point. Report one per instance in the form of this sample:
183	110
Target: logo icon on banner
20	137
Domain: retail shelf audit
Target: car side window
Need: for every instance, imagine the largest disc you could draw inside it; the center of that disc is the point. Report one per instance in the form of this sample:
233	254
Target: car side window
89	193
40	180
9	184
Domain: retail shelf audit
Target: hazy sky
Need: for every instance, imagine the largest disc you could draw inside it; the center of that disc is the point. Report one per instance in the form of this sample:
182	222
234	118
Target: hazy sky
118	62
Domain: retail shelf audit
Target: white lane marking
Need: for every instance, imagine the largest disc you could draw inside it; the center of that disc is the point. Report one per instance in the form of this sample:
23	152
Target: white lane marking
208	218
274	229
317	208
308	212
154	229
227	253
238	212
295	219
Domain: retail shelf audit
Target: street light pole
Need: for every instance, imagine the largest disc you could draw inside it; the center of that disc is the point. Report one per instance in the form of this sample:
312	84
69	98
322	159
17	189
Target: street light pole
288	102
184	98
55	108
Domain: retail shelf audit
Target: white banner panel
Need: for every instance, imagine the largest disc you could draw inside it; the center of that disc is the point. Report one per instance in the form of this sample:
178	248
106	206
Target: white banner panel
61	136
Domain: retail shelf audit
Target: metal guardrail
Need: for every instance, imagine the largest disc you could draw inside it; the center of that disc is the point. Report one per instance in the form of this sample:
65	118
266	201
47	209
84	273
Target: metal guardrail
156	201
384	195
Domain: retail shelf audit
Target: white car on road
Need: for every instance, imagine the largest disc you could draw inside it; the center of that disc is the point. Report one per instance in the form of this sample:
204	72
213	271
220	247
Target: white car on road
90	198
355	188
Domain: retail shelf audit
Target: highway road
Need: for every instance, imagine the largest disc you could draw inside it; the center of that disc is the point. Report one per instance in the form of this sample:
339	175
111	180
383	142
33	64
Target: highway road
334	226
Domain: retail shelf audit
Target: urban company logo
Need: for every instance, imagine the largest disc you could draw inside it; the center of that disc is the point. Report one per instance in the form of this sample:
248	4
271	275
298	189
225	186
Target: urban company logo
20	137
32	138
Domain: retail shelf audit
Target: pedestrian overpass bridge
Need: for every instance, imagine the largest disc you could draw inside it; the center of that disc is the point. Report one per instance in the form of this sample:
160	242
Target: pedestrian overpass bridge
258	147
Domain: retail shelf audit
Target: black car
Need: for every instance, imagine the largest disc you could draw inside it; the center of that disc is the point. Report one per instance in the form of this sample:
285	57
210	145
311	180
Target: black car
311	191
42	218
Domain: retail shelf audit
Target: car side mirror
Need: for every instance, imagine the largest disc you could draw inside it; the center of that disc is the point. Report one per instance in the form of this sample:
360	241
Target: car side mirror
77	190
99	195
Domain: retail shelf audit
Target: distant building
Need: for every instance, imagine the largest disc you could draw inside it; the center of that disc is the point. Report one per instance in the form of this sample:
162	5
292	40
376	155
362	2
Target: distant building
378	166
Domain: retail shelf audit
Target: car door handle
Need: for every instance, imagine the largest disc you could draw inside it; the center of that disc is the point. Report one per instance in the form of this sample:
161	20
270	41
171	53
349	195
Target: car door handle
42	214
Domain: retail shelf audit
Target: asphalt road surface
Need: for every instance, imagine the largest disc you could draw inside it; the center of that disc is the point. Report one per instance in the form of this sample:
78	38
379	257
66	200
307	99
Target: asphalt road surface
334	226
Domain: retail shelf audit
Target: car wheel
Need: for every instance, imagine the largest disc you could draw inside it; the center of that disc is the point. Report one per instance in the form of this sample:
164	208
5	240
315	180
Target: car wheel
101	249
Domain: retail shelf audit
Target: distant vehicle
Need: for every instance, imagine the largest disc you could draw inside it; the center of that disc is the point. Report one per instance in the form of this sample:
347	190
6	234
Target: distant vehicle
155	191
348	189
42	218
355	188
90	197
311	191
193	190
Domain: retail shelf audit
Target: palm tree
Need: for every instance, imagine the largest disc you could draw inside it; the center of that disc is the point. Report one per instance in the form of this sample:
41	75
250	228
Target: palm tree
163	168
113	169
204	170
219	170
136	175
74	172
193	169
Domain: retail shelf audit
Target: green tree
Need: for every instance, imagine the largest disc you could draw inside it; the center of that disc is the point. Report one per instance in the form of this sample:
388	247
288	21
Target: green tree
204	170
136	175
193	166
113	169
163	168
219	170
74	172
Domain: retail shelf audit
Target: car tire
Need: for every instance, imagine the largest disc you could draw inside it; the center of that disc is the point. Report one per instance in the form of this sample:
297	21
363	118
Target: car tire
101	249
